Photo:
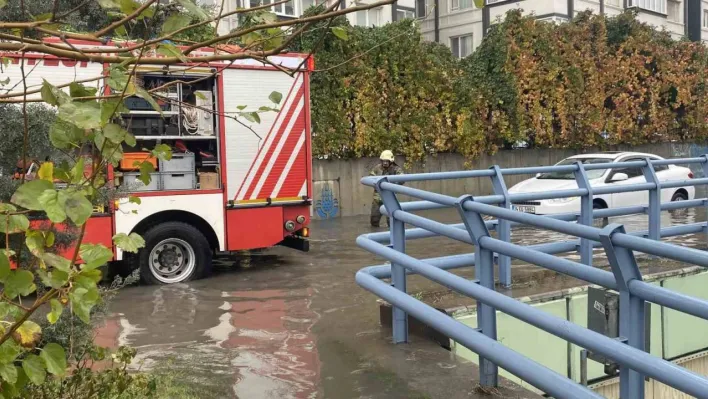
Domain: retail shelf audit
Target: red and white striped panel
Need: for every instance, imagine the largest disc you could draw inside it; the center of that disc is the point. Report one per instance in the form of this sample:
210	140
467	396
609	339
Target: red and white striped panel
279	171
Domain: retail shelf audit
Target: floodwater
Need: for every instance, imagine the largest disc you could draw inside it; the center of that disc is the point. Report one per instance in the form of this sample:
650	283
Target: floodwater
285	324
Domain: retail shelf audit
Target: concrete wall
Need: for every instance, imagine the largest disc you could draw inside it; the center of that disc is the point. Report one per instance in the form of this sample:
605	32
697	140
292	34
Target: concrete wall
674	335
338	192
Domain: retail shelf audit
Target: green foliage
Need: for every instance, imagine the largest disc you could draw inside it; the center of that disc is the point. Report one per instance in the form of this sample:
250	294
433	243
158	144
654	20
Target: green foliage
383	88
595	81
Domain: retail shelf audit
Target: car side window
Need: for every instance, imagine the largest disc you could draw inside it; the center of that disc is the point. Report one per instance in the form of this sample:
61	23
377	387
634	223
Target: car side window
659	168
630	172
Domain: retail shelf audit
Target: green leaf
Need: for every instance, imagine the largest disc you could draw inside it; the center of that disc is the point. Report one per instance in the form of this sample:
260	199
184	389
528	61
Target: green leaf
128	6
53	206
118	78
147	97
35	242
241	107
108	4
200	95
55	358
19	282
8	372
82	300
92	274
27	195
28	334
85	114
169	50
162	152
94	255
276	97
117	135
5	309
112	107
55	278
175	22
252	116
193	9
78	208
4	267
15	224
79	90
146	168
57	261
129	243
135	200
34	368
65	135
48	93
340	32
9	351
57	309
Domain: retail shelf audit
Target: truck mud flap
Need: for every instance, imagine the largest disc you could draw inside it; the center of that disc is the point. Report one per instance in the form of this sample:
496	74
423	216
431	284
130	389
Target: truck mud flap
294	242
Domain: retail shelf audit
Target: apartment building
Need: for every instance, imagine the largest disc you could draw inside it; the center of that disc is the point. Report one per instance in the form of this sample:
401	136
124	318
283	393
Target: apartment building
461	26
293	9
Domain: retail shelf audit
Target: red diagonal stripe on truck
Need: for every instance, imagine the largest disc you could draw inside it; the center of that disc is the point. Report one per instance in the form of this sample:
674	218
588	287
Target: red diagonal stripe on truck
277	138
287	106
279	164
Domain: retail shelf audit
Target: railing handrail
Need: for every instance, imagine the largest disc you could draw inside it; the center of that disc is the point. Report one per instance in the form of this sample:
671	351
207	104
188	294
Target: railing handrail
530	170
619	247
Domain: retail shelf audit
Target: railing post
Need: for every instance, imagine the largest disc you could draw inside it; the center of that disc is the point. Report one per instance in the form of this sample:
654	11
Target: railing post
704	168
399	318
654	210
632	309
503	228
586	213
484	274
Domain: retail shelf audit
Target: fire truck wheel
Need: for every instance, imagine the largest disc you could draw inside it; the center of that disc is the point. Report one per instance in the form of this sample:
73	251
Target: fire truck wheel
174	252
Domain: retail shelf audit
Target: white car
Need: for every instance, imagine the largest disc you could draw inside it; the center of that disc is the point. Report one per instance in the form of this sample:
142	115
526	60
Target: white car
546	182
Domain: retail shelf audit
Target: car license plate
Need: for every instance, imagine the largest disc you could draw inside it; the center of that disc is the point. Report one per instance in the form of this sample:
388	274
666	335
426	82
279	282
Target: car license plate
524	208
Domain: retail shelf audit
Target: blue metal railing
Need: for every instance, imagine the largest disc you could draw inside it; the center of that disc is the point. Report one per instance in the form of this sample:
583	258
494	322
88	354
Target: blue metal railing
627	351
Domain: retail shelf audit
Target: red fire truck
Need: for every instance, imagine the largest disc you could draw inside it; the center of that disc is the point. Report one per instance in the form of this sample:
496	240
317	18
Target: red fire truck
231	184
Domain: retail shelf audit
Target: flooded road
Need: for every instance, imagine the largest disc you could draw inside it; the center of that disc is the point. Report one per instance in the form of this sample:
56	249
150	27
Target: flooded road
285	324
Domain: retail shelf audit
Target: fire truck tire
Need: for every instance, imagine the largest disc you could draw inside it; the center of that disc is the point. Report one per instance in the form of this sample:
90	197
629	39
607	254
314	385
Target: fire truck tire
174	252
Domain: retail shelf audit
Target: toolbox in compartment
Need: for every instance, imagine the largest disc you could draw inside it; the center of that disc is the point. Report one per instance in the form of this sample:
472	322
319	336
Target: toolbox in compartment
145	125
180	162
178	181
132	182
130	158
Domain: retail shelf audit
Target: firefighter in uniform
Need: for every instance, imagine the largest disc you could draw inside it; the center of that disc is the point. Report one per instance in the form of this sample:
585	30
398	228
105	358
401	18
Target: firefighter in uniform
387	167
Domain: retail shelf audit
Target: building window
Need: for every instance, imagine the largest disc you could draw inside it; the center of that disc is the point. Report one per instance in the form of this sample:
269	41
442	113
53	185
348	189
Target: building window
421	9
649	5
371	17
493	1
553	19
460	4
284	9
404	14
673	11
461	46
705	19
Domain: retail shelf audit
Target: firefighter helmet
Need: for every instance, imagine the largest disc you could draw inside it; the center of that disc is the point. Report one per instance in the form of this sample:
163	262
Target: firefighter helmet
387	156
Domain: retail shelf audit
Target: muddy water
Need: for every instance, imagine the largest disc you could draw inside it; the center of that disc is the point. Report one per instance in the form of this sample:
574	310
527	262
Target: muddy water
283	324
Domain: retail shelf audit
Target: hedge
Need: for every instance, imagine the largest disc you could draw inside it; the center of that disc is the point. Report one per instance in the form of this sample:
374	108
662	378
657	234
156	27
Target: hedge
593	82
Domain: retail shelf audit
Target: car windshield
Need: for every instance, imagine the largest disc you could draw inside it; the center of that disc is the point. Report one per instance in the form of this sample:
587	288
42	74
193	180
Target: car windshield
592	174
